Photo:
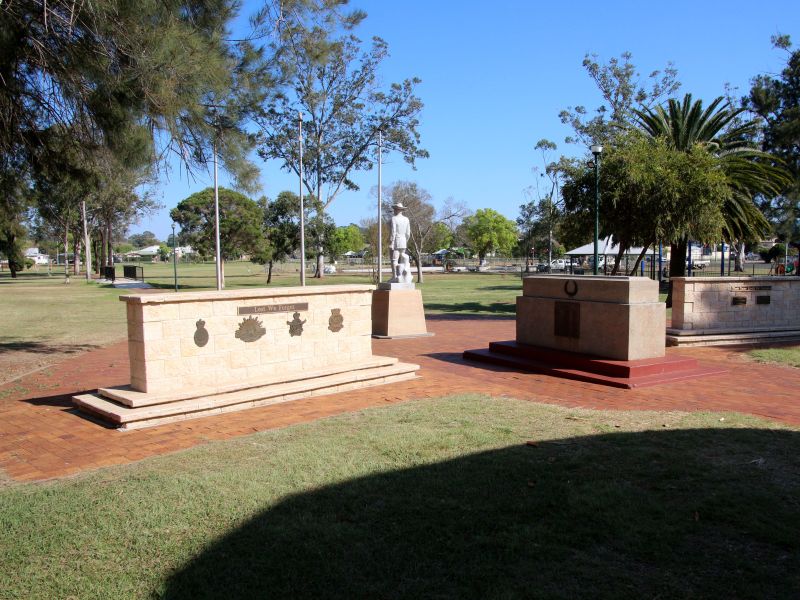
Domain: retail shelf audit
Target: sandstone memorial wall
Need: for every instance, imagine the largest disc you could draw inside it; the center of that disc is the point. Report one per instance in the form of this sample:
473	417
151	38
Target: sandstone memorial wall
729	310
198	353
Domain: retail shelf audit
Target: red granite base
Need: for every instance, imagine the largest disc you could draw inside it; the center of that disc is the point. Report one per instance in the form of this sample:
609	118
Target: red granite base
581	367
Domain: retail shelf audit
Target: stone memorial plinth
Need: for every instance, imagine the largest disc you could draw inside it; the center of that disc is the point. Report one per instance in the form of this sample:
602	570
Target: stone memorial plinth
397	311
710	311
610	317
198	353
607	330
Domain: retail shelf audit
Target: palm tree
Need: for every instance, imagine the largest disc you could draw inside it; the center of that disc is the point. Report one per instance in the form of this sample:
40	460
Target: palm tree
720	129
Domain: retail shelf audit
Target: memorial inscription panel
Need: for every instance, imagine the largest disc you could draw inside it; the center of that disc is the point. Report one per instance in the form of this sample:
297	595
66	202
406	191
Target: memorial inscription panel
567	319
271	308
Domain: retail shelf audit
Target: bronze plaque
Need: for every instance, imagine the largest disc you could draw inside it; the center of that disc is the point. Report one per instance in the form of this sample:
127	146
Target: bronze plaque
201	335
336	320
762	300
738	301
271	308
250	330
296	325
567	319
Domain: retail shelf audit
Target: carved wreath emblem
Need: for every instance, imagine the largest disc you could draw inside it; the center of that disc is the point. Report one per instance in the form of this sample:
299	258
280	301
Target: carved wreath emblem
336	320
250	330
201	335
296	325
570	287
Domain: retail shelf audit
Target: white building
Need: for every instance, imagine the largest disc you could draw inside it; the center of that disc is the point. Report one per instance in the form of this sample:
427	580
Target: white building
37	257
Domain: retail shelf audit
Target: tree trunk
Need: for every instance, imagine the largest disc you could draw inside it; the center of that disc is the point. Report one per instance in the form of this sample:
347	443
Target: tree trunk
677	263
12	262
76	256
110	252
321	215
66	254
419	267
96	258
269	273
101	255
738	264
320	263
618	259
639	259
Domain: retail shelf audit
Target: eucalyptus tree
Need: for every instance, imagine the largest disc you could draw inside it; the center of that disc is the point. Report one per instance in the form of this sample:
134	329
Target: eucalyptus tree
623	91
542	214
14	203
776	99
240	224
330	77
489	231
749	171
281	227
122	77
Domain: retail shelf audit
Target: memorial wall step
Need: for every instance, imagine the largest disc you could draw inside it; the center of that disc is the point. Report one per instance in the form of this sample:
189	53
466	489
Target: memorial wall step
684	338
593	364
129	397
576	367
126	417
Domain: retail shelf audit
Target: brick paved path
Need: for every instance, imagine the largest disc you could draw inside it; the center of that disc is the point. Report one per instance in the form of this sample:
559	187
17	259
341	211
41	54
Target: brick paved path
42	436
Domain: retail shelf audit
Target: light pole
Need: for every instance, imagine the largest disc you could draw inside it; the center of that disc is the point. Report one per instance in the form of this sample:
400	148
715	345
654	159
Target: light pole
220	284
597	150
218	253
380	207
302	207
174	259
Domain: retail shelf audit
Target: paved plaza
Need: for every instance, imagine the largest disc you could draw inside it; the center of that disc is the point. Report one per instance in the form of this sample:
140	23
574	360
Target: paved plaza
42	436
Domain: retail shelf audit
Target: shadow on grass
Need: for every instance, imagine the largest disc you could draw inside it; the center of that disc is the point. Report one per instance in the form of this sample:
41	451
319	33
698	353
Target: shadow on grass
45	347
473	307
171	286
502	288
710	513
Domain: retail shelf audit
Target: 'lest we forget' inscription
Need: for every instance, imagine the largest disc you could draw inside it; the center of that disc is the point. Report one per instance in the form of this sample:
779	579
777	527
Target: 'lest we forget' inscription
271	308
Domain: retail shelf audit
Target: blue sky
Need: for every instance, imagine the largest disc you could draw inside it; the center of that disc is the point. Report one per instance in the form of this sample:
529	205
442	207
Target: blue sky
495	75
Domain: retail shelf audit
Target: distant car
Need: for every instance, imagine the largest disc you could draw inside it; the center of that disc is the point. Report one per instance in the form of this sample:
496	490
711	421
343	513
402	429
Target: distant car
601	261
558	264
329	269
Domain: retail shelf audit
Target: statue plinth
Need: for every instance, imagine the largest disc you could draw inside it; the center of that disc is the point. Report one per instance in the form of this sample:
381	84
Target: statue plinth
396	285
397	311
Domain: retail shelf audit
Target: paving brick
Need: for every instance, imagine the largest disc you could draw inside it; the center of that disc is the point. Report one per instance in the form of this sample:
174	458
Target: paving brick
41	436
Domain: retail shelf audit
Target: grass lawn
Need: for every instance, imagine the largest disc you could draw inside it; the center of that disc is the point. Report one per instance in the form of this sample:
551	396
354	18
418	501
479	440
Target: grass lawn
437	498
465	293
42	320
38	309
783	356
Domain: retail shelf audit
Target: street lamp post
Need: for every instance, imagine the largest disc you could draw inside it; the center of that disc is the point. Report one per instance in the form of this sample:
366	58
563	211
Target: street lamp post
380	201
174	259
218	257
302	207
218	252
597	150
